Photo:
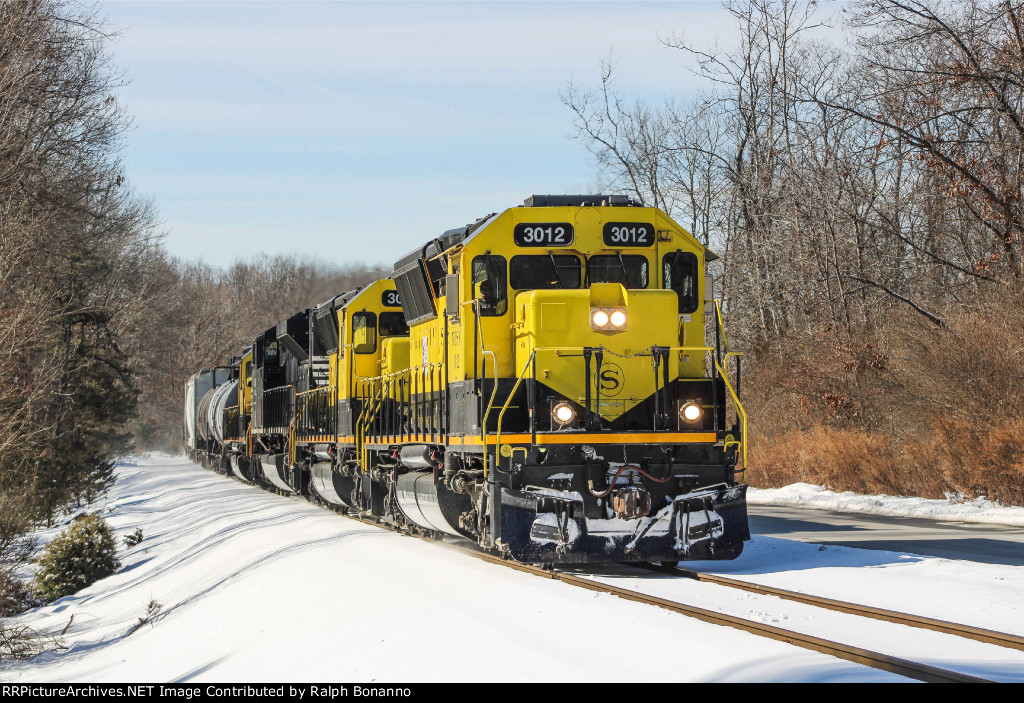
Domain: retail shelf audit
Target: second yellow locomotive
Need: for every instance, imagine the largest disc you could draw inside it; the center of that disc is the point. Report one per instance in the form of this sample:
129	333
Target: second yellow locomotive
539	382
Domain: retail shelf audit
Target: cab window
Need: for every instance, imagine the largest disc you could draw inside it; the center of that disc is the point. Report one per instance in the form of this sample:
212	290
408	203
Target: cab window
489	285
392	324
544	272
630	270
679	270
364	333
270	353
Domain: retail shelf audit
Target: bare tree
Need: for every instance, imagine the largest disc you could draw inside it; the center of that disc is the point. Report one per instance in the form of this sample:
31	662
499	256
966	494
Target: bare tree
202	316
73	245
865	194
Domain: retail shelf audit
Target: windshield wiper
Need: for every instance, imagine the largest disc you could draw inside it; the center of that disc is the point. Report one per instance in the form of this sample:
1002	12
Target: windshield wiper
554	265
625	273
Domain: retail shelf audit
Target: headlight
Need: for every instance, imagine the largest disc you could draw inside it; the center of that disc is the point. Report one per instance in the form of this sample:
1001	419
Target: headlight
563	413
608	319
691	412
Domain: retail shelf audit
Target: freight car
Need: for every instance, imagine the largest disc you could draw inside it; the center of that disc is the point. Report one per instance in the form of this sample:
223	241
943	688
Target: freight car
552	382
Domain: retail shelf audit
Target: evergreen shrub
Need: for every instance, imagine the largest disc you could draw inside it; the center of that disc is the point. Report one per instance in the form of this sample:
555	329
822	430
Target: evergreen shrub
77	557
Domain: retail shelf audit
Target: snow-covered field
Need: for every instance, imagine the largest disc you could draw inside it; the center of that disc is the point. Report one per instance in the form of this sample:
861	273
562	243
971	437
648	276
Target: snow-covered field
256	587
806	495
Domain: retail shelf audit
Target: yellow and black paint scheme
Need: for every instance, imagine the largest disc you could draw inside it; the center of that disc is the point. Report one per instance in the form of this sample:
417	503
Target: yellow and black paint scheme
361	333
562	393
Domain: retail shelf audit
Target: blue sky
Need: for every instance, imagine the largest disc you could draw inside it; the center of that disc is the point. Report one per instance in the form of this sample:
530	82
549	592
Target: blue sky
355	131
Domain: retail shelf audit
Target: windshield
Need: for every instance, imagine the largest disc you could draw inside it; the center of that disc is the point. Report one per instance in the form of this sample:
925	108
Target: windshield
544	271
392	324
628	269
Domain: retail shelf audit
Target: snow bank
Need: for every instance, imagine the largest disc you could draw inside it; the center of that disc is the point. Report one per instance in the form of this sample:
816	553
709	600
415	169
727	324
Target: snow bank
806	495
253	587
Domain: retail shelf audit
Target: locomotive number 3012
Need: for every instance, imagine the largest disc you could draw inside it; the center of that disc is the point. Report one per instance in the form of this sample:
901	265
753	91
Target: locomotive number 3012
543	234
628	234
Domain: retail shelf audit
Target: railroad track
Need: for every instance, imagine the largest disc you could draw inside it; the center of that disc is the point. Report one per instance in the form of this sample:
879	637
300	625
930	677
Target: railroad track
1001	639
877	660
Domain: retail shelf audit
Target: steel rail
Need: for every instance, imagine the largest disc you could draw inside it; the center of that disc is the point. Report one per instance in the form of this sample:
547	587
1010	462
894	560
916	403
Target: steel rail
1003	639
876	660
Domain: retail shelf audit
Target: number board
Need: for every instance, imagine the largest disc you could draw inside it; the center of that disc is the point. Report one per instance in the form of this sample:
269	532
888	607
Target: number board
390	299
542	234
628	234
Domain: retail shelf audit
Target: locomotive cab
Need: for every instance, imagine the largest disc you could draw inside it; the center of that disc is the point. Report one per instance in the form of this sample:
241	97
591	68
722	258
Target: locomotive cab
364	334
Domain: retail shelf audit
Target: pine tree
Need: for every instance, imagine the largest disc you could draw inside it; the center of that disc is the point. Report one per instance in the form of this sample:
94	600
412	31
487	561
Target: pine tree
76	558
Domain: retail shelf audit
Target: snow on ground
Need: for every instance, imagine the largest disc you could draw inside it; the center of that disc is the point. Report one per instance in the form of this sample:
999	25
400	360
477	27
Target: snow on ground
806	495
982	595
990	596
256	587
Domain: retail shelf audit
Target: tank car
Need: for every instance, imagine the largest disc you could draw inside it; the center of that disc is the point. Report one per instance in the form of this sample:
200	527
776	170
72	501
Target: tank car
202	415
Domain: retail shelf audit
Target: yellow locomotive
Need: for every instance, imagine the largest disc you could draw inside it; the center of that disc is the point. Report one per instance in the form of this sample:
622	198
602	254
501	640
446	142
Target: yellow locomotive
539	382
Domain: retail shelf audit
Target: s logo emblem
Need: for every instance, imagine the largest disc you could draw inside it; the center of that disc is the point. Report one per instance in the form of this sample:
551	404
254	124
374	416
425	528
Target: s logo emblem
610	380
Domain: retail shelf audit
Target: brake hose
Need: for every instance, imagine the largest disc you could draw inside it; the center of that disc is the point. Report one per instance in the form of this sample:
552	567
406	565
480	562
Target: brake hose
590	483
